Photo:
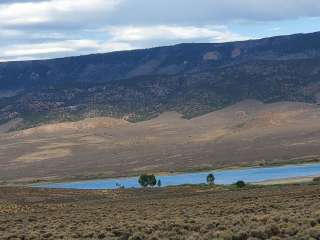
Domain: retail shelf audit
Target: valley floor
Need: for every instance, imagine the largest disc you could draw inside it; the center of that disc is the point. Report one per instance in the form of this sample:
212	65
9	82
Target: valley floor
189	212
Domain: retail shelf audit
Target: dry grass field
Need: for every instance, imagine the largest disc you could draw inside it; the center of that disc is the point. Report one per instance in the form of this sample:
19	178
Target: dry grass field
189	212
244	134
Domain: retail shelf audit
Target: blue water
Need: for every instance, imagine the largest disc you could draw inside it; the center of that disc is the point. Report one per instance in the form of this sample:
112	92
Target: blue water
248	175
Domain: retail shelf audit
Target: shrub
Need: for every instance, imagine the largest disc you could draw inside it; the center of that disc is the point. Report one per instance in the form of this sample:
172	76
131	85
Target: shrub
210	178
159	184
314	232
316	179
240	184
147	180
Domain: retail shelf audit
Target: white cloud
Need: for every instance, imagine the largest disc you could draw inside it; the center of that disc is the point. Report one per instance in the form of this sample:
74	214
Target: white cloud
50	11
167	32
28	50
275	29
36	29
68	47
208	11
116	38
8	33
153	12
114	46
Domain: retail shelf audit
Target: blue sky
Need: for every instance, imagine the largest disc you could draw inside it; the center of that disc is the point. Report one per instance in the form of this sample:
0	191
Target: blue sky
280	27
40	29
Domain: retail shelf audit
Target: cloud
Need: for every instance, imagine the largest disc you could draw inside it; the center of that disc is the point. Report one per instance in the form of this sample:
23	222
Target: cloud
153	12
58	48
208	11
120	38
36	29
167	32
55	47
53	11
7	33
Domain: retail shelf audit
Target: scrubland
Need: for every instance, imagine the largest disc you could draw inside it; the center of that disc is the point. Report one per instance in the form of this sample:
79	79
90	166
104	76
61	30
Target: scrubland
187	212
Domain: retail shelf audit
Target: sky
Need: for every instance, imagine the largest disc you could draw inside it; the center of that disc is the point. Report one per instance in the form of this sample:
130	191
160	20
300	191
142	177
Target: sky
42	29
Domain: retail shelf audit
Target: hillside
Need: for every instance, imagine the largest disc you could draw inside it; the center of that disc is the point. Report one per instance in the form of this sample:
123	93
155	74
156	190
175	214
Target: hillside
246	133
192	79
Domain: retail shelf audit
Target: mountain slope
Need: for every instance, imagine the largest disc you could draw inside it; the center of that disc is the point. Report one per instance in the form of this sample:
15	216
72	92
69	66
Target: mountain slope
249	132
183	58
192	79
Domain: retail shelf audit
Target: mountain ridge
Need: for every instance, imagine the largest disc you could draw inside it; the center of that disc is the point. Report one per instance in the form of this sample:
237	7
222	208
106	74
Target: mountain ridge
166	46
183	50
192	79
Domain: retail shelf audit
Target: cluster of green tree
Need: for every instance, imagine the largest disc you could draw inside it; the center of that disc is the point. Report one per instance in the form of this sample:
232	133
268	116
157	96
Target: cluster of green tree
316	179
240	184
211	179
146	180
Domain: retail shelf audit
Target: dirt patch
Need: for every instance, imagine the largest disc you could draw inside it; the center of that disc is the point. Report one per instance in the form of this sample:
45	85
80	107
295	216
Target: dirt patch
44	155
84	125
211	136
57	145
211	56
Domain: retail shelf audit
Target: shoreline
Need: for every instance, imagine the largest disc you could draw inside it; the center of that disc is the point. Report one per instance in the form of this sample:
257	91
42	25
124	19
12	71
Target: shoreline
89	178
289	180
285	181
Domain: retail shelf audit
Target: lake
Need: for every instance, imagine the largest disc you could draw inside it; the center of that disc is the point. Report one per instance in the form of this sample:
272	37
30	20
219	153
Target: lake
249	175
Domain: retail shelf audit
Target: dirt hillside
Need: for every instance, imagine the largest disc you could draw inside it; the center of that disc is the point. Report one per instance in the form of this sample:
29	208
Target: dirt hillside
246	133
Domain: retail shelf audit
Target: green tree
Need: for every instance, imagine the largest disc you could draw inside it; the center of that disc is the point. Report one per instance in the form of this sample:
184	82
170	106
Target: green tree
159	183
210	179
146	180
152	181
316	179
240	184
